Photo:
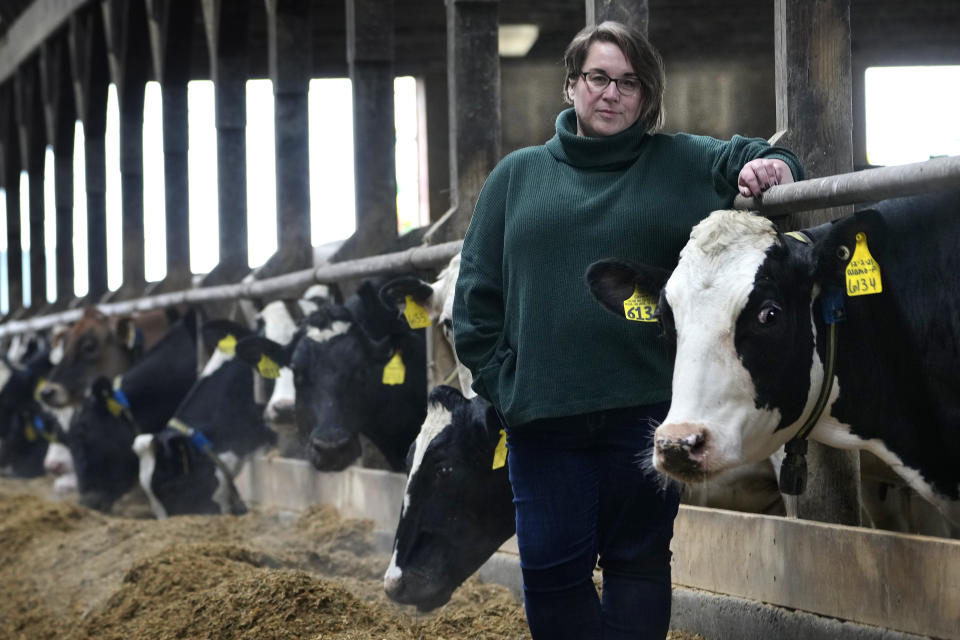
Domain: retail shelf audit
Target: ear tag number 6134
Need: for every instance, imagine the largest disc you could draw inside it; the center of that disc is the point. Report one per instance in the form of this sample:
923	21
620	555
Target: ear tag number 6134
640	307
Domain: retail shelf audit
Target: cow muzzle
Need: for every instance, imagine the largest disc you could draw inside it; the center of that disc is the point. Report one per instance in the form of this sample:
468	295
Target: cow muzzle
681	450
54	395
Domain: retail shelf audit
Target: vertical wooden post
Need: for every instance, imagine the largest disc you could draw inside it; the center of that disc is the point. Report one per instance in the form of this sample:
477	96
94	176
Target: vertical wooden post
473	81
370	59
128	54
289	47
438	141
60	118
88	61
171	35
814	116
11	182
29	115
227	40
634	13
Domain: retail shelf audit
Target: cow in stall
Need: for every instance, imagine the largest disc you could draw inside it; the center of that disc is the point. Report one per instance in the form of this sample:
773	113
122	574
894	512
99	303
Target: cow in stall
359	371
278	321
26	428
411	295
114	412
457	506
188	467
98	345
859	317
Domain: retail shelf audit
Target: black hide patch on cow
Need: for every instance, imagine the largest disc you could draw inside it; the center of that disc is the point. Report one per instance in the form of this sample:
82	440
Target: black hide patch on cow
773	336
898	360
184	479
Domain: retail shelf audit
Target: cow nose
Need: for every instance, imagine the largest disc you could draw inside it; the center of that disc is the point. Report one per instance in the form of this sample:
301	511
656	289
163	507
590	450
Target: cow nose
681	449
392	580
48	393
281	411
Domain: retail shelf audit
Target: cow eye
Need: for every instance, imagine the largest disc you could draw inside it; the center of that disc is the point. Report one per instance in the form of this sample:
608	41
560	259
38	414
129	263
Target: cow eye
88	347
769	313
444	471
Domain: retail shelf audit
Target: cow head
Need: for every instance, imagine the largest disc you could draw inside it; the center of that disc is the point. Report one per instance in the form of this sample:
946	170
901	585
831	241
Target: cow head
339	361
742	306
437	300
96	346
99	438
457	509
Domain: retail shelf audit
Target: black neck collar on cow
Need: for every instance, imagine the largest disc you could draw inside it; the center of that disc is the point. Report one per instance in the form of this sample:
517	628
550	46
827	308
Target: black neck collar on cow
793	470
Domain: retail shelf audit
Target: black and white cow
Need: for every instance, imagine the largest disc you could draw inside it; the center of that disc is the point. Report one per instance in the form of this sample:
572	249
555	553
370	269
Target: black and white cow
26	427
746	305
189	465
103	429
358	371
436	300
278	321
457	508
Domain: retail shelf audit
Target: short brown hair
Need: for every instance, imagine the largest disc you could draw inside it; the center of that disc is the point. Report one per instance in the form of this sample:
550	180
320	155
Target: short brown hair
642	56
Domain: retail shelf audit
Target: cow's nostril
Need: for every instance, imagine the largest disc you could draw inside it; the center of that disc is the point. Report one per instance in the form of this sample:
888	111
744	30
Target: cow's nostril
693	443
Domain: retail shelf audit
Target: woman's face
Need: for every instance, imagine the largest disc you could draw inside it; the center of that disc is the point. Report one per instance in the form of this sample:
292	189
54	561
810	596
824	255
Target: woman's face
606	112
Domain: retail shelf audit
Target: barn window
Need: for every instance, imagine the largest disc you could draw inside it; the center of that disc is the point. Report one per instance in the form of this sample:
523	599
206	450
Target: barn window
911	113
4	277
50	224
25	237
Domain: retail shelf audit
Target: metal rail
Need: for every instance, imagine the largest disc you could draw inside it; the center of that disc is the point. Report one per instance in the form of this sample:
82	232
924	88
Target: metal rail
416	258
860	186
817	193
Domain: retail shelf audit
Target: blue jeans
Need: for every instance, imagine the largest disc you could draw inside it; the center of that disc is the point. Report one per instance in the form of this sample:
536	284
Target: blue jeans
584	488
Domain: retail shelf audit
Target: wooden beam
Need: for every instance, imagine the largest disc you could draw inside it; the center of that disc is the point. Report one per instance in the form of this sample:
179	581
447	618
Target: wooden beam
473	81
40	19
370	52
814	120
634	13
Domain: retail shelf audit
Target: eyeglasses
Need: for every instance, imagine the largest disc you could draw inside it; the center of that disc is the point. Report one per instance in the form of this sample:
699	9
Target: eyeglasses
597	82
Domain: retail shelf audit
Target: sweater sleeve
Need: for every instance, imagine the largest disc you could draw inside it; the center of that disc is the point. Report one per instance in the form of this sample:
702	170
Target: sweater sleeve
740	150
478	304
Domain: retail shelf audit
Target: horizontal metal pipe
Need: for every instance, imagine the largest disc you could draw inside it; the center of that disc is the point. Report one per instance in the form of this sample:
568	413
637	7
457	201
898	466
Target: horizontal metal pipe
860	186
416	258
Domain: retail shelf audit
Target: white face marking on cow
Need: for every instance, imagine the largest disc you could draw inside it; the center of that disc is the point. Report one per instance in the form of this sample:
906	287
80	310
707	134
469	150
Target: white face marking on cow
65	484
143	447
5	374
278	324
713	393
284	394
56	353
438	418
217	360
337	328
58	460
394	575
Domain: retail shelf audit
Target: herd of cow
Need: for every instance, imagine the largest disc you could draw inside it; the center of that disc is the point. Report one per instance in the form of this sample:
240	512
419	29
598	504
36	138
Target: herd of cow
111	405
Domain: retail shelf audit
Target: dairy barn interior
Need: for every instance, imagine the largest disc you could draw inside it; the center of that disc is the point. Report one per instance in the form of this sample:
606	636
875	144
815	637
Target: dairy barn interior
482	78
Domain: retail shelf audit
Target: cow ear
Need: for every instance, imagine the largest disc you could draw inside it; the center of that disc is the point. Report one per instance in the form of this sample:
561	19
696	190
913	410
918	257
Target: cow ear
613	281
446	396
223	333
126	331
833	252
263	354
394	293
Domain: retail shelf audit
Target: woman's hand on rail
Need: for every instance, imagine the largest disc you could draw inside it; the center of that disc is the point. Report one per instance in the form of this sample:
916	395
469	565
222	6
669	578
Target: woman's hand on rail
759	175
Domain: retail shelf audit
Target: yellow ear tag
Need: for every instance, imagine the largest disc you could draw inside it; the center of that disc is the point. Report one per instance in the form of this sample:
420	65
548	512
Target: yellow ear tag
395	372
417	317
863	272
268	368
640	307
114	407
500	453
228	344
37	389
30	433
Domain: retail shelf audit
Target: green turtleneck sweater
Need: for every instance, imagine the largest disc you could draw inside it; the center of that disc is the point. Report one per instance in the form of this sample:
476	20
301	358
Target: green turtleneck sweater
524	320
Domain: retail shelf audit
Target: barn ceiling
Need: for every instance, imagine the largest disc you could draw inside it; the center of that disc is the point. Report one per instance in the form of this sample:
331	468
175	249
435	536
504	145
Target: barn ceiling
917	31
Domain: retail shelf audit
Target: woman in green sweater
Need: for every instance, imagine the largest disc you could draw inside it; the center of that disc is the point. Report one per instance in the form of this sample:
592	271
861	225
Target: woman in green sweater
578	390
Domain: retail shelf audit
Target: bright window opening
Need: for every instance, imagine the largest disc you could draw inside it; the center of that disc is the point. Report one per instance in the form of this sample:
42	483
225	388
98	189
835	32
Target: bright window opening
911	113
